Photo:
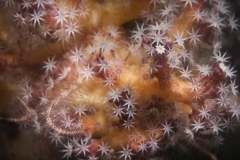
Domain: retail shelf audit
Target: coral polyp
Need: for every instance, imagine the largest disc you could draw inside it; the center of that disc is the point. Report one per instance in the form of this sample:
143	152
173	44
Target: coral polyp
94	83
